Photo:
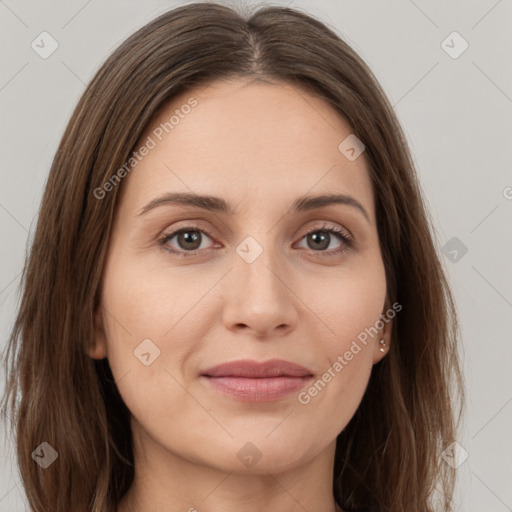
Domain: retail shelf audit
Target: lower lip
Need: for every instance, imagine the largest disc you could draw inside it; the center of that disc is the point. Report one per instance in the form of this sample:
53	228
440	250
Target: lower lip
257	390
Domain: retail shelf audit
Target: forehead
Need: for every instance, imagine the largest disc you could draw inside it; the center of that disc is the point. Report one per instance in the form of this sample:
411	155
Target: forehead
247	141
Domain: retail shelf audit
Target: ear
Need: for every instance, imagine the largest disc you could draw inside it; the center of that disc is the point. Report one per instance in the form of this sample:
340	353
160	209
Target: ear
98	349
386	322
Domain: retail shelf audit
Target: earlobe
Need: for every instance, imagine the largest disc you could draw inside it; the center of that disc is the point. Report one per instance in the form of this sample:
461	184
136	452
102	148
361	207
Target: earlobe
98	348
383	339
381	346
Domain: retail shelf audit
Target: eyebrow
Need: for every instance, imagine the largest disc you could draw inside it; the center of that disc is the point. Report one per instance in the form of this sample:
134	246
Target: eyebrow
217	204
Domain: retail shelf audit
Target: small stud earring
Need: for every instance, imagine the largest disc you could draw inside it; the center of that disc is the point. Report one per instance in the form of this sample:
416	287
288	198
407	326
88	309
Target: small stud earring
382	345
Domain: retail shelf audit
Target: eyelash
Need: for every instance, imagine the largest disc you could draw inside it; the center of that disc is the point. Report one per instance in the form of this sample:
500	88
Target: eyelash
344	238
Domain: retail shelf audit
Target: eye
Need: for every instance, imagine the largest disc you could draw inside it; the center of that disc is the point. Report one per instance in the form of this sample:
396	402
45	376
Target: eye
320	238
189	240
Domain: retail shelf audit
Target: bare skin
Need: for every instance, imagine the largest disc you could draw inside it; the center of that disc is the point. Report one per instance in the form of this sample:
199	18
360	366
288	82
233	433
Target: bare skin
260	147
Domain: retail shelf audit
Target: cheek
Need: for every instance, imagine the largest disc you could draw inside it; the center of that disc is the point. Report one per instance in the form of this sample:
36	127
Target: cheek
334	396
153	325
144	315
348	313
351	304
145	302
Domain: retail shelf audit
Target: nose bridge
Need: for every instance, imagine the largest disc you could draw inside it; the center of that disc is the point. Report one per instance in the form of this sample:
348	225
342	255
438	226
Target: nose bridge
260	297
258	264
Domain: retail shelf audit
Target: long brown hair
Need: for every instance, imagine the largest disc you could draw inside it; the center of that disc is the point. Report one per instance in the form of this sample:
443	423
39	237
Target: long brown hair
388	458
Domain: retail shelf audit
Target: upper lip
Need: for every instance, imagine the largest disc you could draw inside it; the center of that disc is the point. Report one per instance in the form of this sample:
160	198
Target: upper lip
254	369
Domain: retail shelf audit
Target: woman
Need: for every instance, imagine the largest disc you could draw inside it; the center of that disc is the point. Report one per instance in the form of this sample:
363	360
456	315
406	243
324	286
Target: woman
233	299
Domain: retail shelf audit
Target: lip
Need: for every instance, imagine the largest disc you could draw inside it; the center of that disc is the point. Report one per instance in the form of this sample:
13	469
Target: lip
255	370
251	381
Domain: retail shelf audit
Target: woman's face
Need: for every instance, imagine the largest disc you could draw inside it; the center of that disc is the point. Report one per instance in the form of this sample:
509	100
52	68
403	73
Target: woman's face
267	280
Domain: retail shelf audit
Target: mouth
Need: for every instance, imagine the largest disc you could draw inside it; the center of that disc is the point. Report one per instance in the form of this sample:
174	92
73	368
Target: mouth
251	381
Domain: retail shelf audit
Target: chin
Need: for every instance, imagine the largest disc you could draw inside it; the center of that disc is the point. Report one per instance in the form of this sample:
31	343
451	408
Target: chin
259	457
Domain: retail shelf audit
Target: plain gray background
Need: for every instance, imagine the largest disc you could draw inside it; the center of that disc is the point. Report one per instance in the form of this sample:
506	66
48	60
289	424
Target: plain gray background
456	113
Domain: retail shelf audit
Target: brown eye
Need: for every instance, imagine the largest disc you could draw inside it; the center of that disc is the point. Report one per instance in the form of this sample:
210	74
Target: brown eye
188	241
319	239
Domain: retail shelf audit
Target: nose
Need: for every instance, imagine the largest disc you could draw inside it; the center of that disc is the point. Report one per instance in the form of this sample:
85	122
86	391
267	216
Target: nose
259	296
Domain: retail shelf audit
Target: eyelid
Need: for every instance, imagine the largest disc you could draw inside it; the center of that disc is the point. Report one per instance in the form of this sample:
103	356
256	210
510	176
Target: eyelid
337	230
326	224
191	225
